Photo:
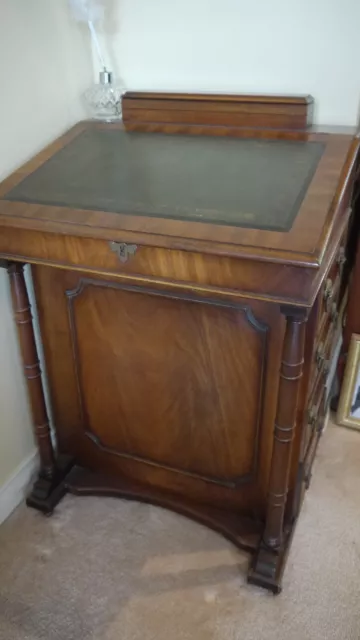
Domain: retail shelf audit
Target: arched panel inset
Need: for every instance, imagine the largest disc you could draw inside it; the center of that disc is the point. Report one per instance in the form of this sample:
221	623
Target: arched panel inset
163	378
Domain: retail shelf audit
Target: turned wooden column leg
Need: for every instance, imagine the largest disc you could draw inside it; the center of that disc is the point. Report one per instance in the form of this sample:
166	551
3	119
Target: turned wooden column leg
268	564
32	371
49	488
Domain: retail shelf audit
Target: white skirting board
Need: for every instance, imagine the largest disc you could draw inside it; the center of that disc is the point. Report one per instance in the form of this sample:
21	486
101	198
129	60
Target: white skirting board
15	489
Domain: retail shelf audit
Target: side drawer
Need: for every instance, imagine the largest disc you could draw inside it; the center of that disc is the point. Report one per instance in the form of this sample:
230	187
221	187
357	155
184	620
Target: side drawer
329	293
315	415
327	313
323	348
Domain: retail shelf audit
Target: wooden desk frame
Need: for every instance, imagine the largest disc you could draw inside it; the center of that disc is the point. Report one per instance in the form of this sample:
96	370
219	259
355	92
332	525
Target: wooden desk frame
297	266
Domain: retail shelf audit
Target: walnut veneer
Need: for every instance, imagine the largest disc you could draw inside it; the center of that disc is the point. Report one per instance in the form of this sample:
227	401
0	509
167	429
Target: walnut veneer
188	289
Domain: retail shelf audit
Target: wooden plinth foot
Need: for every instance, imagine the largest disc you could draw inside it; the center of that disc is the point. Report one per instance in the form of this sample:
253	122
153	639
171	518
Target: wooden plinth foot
267	566
265	570
47	492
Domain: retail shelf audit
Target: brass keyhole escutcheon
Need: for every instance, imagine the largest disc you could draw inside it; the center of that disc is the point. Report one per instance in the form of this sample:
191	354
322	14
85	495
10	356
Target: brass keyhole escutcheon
123	250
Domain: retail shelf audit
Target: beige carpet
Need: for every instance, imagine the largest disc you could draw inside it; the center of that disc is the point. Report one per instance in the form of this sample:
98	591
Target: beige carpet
106	569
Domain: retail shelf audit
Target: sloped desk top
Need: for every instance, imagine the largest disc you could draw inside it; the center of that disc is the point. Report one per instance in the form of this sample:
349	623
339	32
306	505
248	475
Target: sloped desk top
276	198
243	183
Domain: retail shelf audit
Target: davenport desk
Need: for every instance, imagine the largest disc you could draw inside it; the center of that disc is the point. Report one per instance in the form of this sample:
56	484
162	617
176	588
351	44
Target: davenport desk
187	276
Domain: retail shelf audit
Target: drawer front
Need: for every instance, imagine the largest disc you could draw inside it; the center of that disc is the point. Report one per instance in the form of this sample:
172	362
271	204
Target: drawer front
322	353
329	293
327	318
315	414
325	340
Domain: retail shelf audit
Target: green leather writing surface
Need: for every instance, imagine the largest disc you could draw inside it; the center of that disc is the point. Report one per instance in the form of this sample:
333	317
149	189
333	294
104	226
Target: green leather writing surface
228	181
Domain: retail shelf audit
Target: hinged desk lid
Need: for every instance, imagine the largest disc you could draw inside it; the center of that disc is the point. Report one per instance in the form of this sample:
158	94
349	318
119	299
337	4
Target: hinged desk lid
273	198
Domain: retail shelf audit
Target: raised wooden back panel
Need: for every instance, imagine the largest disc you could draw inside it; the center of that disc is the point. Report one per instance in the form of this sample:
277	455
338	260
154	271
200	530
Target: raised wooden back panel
142	110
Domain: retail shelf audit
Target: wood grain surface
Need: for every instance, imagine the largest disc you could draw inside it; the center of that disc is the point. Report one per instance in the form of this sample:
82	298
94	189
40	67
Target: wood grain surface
292	112
186	370
305	243
168	390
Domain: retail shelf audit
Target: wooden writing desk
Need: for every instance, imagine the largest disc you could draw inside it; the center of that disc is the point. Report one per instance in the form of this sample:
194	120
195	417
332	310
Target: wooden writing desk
187	291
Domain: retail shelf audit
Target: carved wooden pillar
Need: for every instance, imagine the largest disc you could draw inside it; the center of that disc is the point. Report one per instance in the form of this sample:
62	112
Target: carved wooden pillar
32	372
49	488
267	567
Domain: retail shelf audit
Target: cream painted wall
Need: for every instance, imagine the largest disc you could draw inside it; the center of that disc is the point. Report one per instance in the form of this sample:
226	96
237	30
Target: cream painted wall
202	45
44	67
239	46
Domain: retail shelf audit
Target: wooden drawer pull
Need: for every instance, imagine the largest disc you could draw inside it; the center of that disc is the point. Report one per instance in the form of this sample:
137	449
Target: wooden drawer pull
320	356
315	419
326	367
328	293
312	417
341	259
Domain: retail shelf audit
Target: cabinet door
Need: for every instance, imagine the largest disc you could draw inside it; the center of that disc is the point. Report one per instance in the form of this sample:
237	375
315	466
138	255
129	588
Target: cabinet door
168	389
